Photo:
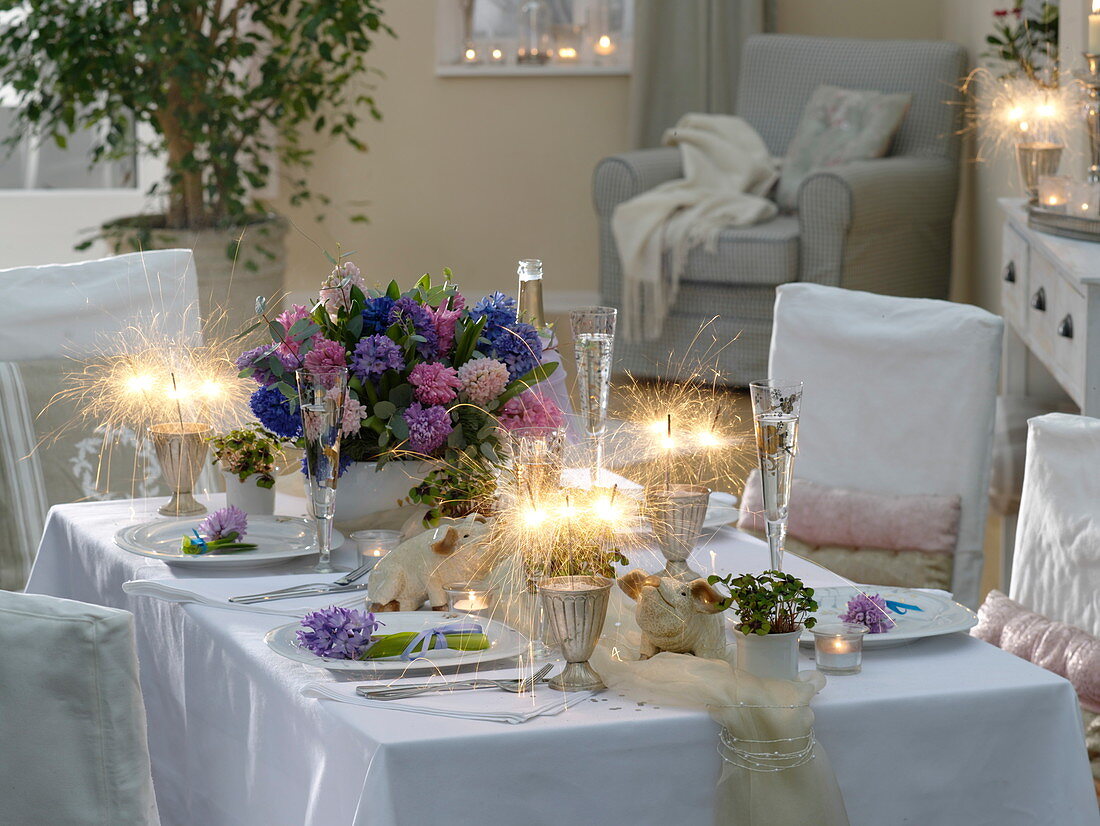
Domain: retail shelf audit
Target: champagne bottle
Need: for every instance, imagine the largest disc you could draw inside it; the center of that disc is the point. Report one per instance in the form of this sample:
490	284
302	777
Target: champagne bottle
530	292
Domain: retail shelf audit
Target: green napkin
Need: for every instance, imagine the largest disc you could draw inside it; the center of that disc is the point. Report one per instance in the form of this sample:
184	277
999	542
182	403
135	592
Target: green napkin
392	645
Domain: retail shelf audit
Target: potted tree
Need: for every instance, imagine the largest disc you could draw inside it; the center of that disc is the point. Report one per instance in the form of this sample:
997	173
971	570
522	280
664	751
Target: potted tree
773	608
223	90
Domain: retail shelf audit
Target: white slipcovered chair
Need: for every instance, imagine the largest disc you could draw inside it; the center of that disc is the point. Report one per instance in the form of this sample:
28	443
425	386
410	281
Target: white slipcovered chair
72	721
899	399
1056	565
50	315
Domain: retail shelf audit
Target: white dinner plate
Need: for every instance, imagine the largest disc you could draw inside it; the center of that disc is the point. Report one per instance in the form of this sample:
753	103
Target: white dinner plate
939	614
279	539
504	643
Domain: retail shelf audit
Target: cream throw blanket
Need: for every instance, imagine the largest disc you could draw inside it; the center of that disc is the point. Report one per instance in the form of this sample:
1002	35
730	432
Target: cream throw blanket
727	173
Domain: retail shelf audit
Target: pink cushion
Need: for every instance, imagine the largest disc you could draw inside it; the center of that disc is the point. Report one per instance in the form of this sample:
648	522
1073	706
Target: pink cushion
827	516
1055	646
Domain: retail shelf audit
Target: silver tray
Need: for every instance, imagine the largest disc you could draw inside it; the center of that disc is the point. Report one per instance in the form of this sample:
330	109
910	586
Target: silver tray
1060	223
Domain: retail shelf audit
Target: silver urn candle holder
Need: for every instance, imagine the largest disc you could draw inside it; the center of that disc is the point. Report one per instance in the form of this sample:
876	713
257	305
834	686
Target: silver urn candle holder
576	607
181	450
676	514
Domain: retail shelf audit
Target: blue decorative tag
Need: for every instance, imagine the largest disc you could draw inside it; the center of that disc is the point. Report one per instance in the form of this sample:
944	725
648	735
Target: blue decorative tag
901	607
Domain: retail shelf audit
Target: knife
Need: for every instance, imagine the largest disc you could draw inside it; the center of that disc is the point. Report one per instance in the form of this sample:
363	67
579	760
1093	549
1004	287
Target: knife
312	592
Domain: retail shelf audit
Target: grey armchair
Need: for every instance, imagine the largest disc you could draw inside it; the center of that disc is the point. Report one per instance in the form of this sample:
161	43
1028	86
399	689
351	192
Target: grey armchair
881	225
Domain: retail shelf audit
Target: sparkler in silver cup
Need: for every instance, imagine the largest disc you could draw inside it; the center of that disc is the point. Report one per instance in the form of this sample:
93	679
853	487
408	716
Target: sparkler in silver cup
181	451
593	348
676	514
775	409
576	607
321	399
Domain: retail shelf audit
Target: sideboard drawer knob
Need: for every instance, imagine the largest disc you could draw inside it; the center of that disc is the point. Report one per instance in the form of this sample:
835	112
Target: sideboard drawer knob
1039	300
1065	328
1010	272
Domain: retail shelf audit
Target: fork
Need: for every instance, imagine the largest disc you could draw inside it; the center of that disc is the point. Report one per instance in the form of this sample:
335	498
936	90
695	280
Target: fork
321	587
514	686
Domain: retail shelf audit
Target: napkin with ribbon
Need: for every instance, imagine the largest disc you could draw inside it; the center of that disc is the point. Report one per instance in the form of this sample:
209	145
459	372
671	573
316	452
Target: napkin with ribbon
215	593
481	704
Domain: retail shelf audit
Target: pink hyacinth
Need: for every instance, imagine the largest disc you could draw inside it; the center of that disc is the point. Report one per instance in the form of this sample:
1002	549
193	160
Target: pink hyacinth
531	409
336	289
354	412
482	380
326	356
446	314
435	383
288	319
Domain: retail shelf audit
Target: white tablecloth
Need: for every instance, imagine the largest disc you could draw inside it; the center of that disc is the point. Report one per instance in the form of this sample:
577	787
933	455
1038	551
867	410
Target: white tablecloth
945	731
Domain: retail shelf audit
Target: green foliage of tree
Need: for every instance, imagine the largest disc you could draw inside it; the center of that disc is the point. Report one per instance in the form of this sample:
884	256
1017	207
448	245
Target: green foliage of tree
231	88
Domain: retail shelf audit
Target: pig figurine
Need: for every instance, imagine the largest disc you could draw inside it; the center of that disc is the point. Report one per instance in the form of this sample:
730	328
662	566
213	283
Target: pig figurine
418	568
681	617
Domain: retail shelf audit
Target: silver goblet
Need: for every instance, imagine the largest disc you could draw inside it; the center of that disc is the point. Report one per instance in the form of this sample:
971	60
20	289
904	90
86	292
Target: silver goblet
576	607
676	514
181	452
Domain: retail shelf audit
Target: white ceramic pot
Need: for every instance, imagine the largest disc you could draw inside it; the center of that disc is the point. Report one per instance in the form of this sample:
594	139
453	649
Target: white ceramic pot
769	656
248	496
365	490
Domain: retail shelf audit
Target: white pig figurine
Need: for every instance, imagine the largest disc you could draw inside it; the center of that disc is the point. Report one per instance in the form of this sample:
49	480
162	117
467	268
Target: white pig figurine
681	617
418	568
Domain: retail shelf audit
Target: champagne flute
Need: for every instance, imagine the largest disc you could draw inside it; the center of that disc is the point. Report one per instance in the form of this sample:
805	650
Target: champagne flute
775	410
321	399
593	346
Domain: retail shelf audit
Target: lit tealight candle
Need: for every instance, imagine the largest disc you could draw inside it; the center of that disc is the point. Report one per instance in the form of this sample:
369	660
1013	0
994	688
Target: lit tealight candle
567	54
469	598
604	46
469	55
496	55
1094	28
375	544
839	648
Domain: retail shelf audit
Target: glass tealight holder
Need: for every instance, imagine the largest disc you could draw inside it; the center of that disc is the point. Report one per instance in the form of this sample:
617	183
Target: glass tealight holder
470	598
839	647
375	544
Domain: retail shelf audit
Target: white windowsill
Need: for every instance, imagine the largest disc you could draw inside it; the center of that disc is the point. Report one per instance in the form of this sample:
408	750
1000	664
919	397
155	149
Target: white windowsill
559	70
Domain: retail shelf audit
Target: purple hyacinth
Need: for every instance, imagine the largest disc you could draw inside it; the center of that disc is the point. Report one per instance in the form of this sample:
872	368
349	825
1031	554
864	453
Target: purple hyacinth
429	427
338	633
407	310
221	523
870	611
259	359
374	355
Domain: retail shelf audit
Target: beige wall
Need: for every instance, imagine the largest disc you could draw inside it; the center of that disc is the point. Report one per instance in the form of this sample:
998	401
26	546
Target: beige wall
470	173
860	18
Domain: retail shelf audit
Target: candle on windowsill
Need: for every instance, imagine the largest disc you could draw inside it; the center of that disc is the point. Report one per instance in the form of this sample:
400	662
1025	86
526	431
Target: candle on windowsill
496	55
839	648
605	46
470	55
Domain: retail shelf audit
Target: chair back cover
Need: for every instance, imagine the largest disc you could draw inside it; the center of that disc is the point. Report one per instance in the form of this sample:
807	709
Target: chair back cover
1056	566
49	316
72	721
899	398
779	72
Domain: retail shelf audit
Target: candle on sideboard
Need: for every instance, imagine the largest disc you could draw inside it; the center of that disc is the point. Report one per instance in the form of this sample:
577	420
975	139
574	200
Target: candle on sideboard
1094	28
1054	192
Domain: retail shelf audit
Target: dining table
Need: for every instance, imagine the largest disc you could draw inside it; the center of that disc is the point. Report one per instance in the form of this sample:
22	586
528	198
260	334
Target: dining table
945	730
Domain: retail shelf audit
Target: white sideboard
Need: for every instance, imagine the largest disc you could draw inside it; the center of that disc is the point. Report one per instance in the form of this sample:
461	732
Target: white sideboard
1050	298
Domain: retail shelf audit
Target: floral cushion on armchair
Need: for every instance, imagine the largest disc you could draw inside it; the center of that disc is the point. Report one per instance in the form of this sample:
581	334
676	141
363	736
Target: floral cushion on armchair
839	126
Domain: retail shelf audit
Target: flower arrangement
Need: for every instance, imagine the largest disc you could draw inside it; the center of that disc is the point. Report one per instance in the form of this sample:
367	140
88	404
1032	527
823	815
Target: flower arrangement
771	603
220	532
248	451
1028	44
865	609
430	378
348	634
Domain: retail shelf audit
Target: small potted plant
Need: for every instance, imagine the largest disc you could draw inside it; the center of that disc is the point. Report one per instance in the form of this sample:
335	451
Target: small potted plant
250	458
773	608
